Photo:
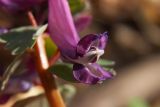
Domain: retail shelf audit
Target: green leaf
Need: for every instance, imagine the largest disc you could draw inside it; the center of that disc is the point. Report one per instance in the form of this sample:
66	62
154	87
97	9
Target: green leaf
40	31
63	71
106	63
76	6
50	46
19	39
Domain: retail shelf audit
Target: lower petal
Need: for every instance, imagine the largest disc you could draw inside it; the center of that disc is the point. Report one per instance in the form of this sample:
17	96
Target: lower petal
87	74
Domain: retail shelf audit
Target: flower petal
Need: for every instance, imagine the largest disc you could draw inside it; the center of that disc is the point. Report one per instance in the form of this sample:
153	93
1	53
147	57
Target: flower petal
103	40
90	75
82	21
90	40
61	27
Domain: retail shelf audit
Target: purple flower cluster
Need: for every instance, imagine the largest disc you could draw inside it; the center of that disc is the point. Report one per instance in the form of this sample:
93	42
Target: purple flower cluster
19	5
82	53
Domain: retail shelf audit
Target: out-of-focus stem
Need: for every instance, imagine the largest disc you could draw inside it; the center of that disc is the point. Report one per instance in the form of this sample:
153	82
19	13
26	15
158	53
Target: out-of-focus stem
32	19
54	58
47	79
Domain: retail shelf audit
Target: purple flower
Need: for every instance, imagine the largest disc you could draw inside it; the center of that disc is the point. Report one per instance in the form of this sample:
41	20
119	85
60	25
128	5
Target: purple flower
19	5
83	53
3	30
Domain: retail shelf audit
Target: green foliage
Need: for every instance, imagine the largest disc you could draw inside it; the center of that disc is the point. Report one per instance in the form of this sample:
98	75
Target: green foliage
138	103
63	70
40	31
50	47
19	39
76	6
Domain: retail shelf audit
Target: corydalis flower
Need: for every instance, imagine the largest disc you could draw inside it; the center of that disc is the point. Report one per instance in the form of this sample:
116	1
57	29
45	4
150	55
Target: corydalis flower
83	53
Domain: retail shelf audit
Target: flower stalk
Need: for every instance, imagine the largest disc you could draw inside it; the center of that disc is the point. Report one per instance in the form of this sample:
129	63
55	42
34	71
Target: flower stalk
47	79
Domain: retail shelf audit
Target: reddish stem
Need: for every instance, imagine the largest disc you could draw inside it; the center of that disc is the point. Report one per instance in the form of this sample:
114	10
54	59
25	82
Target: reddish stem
54	58
32	19
47	79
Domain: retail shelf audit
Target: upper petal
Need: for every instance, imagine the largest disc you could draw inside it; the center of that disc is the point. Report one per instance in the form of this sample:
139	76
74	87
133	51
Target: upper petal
89	41
103	40
61	27
90	75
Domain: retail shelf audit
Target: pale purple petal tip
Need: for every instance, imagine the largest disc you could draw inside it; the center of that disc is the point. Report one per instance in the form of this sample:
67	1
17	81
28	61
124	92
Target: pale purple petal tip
3	30
82	21
93	75
17	85
103	40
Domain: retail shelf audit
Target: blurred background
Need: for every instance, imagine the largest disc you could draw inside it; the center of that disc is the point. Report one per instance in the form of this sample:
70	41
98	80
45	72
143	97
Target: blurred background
134	44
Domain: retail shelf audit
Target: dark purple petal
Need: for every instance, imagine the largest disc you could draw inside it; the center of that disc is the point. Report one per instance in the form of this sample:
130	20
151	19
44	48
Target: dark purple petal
85	43
61	27
90	74
90	41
